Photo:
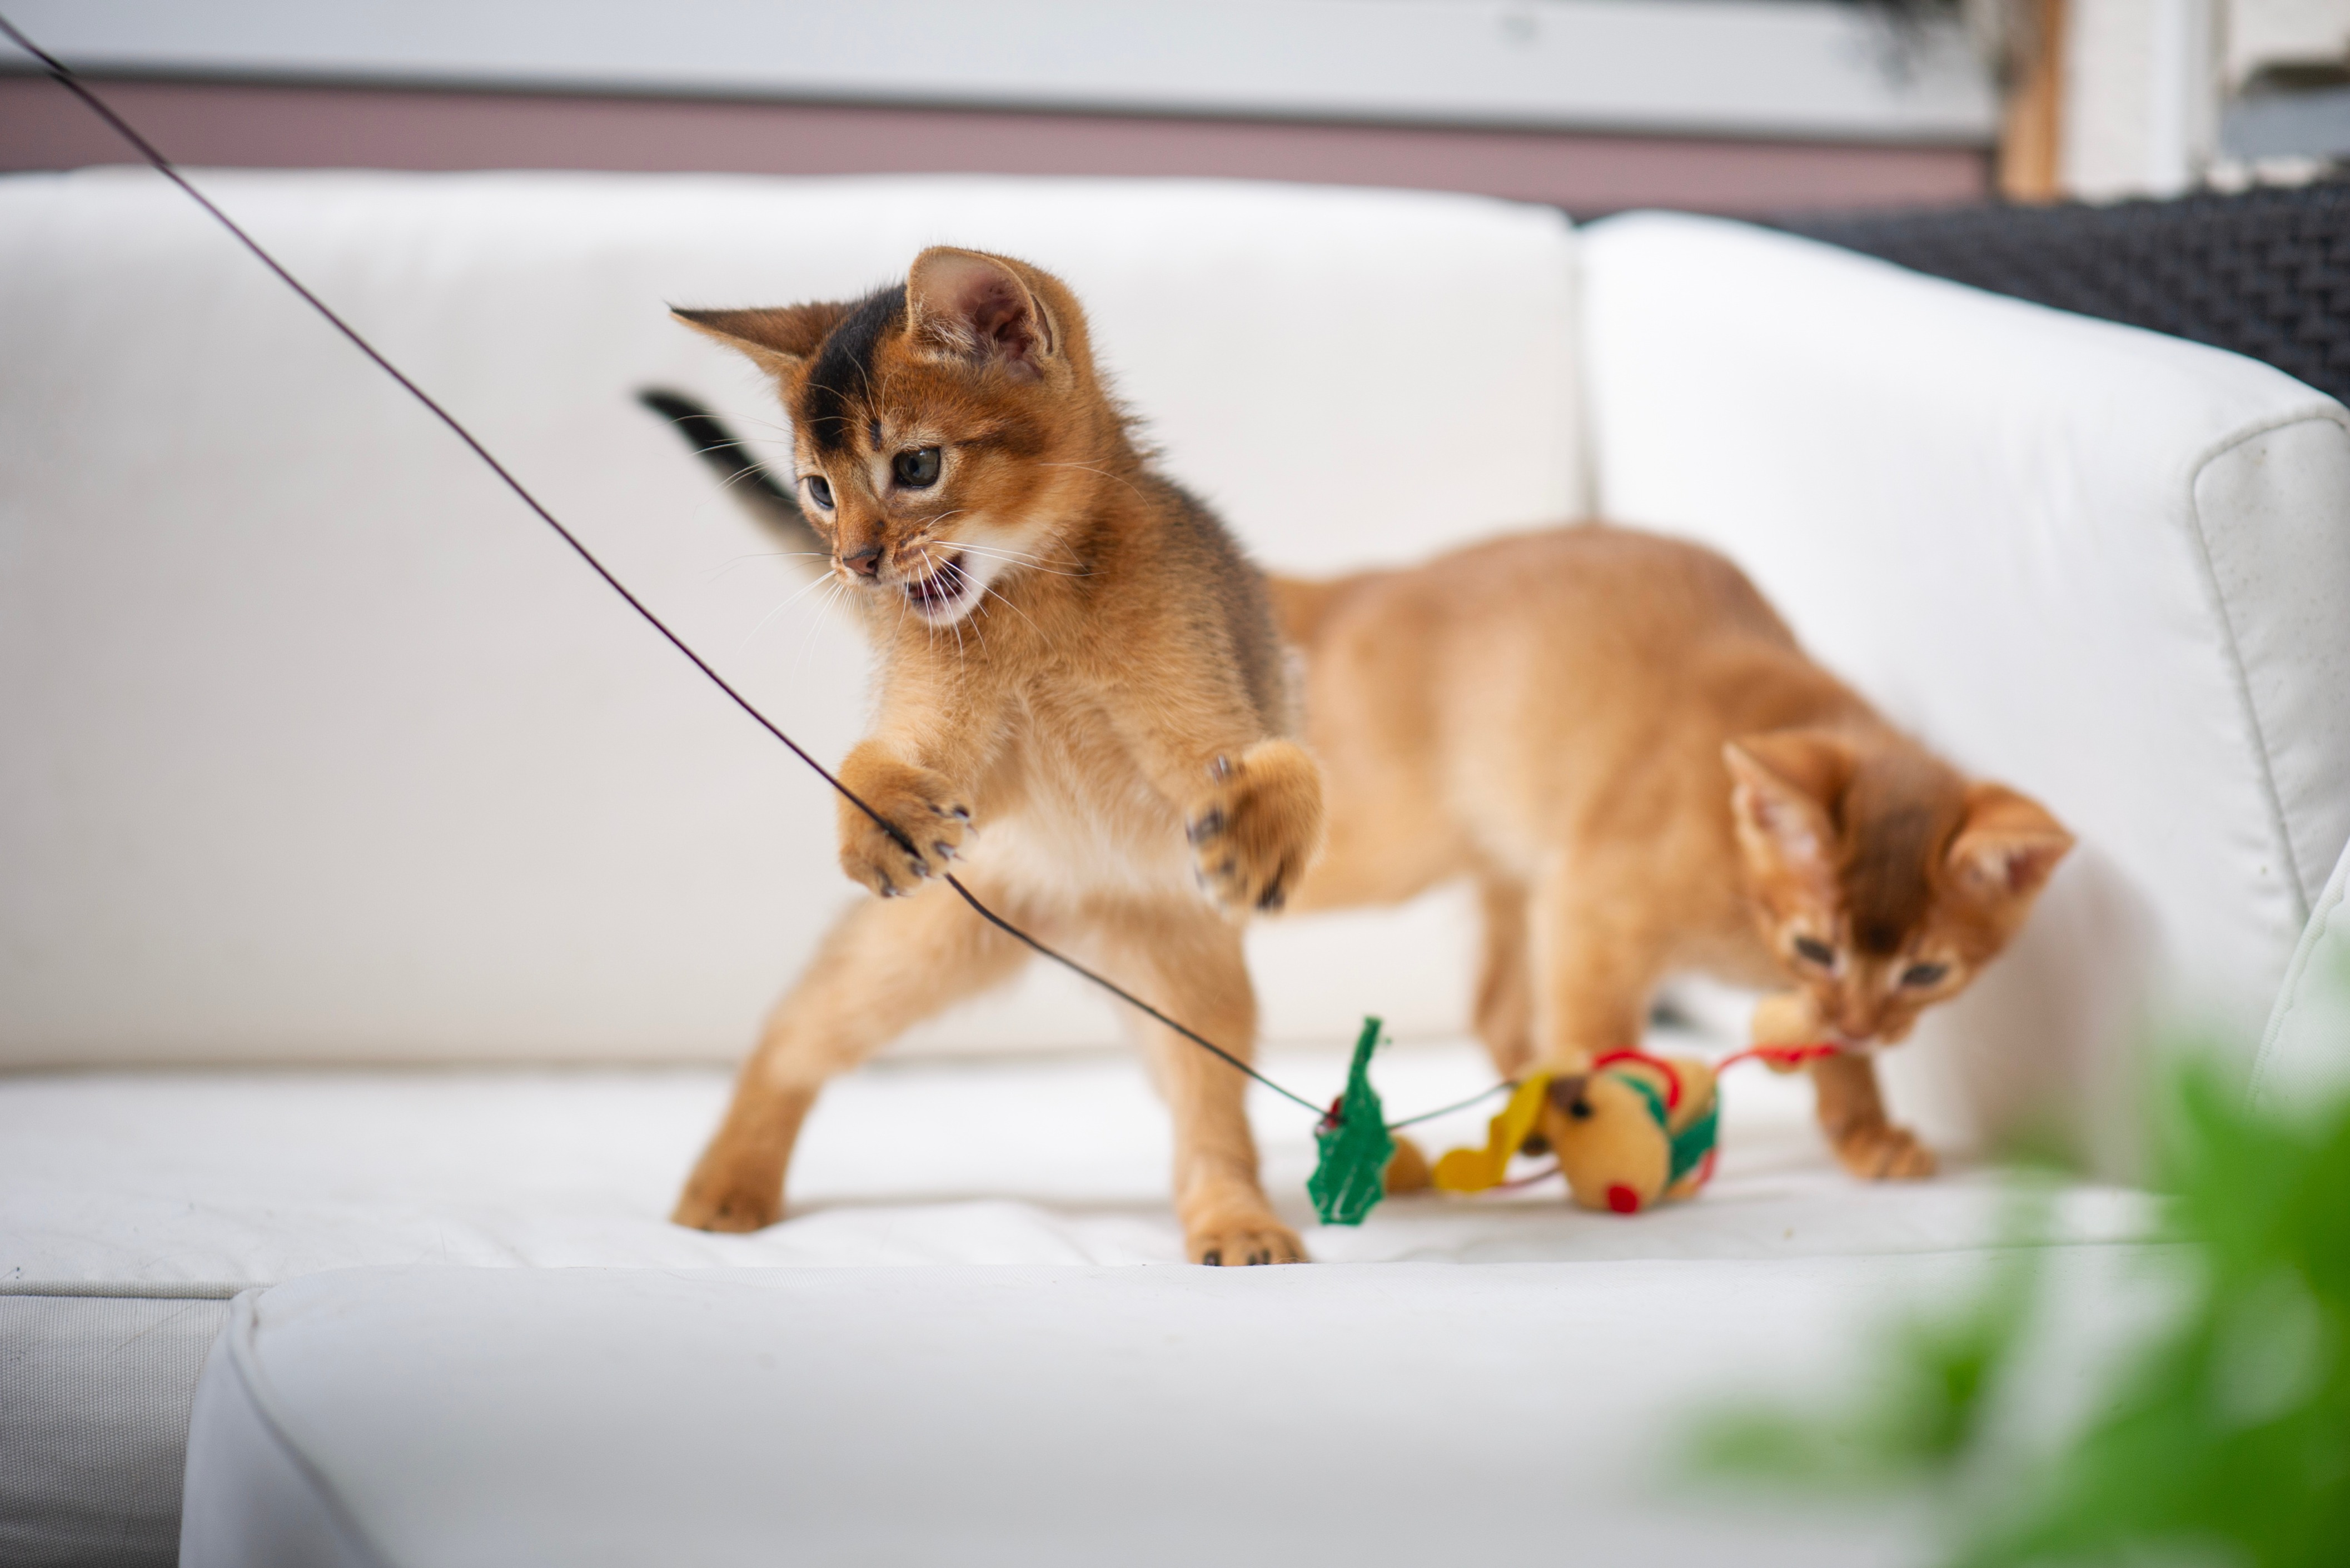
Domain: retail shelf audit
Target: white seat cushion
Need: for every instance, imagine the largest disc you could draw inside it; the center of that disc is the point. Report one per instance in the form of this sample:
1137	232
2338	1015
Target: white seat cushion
235	1179
181	1187
1048	1416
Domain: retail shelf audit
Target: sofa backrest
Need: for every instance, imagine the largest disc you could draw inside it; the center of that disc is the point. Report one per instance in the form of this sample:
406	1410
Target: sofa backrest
2108	566
319	746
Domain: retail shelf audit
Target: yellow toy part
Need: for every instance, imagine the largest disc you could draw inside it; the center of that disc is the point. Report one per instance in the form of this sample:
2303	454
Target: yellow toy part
1634	1131
1475	1169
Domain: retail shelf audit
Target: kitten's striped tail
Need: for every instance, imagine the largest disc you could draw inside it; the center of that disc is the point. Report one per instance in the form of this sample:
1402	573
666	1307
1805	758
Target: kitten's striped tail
739	473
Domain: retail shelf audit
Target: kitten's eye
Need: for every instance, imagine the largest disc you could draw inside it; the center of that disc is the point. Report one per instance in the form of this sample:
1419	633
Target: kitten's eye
1924	974
821	488
916	470
1815	951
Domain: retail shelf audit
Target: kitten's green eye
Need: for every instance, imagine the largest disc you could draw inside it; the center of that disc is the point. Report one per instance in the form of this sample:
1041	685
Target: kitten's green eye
1815	951
916	470
821	488
1923	974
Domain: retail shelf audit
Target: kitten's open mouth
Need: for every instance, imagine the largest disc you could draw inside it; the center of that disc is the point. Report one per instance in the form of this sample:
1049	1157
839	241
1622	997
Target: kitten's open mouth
942	590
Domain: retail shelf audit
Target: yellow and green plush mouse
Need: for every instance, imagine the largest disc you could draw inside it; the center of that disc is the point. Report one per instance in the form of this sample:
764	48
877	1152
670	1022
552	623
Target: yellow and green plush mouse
1632	1132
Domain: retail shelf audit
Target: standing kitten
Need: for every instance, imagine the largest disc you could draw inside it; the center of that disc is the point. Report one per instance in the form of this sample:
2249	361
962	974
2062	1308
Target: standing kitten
1072	655
1622	742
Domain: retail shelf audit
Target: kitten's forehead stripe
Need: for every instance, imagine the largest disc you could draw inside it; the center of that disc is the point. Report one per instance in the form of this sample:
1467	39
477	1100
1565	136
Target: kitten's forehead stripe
1898	818
845	367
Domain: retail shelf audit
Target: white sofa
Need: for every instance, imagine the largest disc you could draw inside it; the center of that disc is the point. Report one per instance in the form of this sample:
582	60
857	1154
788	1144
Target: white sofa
382	901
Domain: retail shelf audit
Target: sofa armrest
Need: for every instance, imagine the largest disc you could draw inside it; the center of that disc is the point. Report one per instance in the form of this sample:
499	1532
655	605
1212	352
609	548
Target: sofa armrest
2109	566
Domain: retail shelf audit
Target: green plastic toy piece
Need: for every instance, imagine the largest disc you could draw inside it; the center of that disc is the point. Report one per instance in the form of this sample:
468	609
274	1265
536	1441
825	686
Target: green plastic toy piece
1351	1170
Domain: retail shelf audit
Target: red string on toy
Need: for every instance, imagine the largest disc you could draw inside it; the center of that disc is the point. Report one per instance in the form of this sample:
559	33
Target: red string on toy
1781	1056
1672	1074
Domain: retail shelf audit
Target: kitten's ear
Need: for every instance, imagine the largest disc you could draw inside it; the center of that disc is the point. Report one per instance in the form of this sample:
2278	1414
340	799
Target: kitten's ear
2008	844
1784	788
978	307
778	341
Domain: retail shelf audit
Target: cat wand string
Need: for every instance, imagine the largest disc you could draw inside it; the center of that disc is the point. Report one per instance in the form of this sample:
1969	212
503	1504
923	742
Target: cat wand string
63	77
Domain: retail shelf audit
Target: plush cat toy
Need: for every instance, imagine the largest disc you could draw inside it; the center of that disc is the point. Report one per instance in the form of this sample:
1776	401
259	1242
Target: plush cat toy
1634	1131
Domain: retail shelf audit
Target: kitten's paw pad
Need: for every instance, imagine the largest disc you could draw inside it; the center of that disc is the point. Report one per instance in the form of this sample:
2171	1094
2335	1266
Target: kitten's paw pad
1242	1242
1256	826
924	807
727	1205
1885	1154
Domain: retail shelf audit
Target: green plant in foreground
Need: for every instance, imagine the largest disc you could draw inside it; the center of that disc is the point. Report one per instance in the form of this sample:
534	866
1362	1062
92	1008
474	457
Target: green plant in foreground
2223	1438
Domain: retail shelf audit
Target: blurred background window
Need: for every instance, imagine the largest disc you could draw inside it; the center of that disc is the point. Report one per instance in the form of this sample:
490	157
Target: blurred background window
1731	106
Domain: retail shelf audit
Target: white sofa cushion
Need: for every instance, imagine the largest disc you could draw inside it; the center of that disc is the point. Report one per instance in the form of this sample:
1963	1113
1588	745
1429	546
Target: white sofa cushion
2108	566
220	1179
179	1186
322	747
1035	1417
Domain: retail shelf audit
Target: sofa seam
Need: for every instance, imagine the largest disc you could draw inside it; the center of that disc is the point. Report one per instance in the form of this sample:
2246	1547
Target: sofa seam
245	1362
2340	419
2330	899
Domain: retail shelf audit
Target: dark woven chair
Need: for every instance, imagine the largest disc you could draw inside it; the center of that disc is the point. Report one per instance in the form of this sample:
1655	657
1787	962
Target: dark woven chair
2265	274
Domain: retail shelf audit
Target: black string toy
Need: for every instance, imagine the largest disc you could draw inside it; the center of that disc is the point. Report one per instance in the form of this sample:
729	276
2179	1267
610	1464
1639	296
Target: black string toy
1352	1139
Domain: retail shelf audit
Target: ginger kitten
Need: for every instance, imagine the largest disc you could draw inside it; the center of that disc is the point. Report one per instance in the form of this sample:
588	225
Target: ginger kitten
1073	658
1618	737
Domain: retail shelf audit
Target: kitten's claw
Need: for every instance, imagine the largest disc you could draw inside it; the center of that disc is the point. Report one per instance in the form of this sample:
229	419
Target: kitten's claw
931	824
1247	1241
1254	831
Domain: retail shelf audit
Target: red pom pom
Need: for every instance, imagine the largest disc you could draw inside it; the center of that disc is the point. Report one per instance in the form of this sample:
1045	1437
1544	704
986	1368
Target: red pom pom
1622	1198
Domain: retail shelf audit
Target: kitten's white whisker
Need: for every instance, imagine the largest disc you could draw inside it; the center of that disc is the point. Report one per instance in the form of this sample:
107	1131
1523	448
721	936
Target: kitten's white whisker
1104	472
808	638
779	609
728	565
1017	559
991	593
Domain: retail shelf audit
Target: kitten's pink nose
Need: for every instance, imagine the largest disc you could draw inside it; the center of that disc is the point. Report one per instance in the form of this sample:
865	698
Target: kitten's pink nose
866	563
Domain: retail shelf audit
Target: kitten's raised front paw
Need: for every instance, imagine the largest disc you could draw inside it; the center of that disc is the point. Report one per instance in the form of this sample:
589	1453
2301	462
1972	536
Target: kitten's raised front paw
1257	826
1242	1239
924	807
1884	1153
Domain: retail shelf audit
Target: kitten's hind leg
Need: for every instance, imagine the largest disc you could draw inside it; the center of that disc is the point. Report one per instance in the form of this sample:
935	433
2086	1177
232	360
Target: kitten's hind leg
886	966
1505	984
1852	1115
1188	962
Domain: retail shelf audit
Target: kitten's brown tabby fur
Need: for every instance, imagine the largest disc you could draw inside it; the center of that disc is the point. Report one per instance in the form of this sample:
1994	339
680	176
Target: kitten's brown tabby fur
1619	739
1073	658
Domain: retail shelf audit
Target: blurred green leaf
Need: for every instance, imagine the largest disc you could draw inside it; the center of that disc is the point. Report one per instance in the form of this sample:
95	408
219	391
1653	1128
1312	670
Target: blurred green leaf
2223	1438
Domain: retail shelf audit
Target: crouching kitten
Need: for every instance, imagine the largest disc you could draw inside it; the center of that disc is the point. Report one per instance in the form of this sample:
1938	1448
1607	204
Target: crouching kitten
1619	739
1081	708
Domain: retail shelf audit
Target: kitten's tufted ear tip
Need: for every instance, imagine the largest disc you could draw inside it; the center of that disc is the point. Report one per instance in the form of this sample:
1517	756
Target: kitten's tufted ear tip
980	307
1816	764
779	340
2009	845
